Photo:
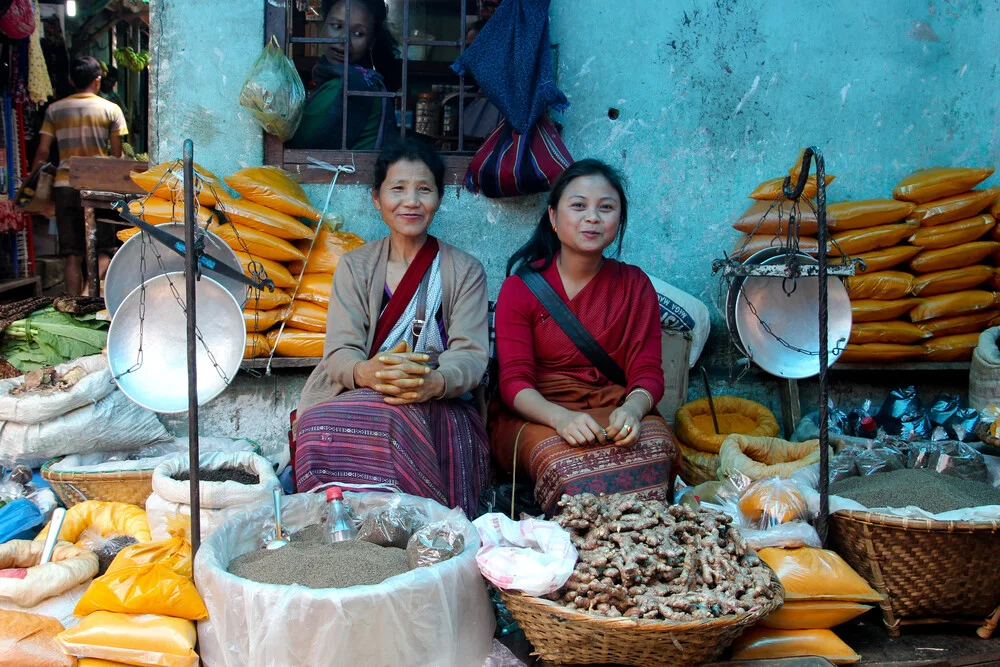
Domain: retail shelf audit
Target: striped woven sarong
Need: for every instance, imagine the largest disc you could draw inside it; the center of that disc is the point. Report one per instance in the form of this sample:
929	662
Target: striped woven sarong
435	450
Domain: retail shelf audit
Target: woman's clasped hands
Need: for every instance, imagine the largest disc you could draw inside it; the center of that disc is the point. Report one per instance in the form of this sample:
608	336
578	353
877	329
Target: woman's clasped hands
403	377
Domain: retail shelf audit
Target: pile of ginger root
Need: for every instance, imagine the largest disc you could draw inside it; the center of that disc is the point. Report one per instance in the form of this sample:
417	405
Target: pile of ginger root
646	559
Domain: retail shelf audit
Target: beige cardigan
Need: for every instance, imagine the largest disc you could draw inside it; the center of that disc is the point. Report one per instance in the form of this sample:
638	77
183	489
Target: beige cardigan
355	303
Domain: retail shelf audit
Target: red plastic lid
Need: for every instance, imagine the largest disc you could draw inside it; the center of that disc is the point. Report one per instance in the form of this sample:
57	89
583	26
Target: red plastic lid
868	423
334	493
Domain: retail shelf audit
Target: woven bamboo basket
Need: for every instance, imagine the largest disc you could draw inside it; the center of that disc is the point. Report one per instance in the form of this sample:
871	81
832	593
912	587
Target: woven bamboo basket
929	571
569	636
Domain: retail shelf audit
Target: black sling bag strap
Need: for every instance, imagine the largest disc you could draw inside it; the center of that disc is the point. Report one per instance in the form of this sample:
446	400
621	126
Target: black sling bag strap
572	326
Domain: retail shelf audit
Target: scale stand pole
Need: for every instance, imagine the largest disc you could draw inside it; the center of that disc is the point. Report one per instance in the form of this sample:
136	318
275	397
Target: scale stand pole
190	279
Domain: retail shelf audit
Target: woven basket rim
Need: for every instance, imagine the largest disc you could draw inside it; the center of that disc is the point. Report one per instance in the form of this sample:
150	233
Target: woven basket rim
917	524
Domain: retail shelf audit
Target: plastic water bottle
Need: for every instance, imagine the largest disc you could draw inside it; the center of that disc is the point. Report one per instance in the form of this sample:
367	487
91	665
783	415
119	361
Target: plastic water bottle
339	525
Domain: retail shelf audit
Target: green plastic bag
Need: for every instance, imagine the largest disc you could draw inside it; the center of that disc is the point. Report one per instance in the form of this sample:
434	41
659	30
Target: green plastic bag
273	92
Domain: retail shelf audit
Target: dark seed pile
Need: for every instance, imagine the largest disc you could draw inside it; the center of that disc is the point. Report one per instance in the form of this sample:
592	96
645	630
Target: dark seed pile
107	553
221	475
930	491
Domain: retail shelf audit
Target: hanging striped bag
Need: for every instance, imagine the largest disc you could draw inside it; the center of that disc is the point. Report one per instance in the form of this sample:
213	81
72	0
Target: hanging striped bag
510	164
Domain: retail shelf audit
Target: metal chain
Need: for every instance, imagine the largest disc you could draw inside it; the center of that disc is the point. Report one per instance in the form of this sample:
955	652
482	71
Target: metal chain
838	348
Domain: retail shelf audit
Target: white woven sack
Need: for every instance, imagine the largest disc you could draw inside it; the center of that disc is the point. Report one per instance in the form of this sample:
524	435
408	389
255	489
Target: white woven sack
38	407
160	511
679	311
70	566
984	374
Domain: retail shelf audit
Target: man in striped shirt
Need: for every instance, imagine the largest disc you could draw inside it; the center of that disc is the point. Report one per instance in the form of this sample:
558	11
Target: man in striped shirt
83	125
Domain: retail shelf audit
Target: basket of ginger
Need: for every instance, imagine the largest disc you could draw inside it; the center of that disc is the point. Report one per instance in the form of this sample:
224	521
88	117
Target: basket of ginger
654	584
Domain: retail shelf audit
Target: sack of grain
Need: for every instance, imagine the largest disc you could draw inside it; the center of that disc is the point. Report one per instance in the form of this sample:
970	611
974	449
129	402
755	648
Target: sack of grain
939	182
956	207
683	313
984	375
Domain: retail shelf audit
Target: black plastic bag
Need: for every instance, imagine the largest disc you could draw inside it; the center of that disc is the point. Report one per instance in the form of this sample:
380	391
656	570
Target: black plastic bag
943	407
962	425
902	415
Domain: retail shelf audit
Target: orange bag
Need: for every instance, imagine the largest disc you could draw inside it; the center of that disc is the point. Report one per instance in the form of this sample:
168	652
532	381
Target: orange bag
870	238
97	662
772	217
955	303
995	209
879	352
772	189
769	644
939	182
155	211
895	331
307	316
173	553
813	615
30	640
870	310
256	346
748	245
262	320
316	288
326	253
960	324
274	187
266	300
143	589
276	272
880	285
880	260
847	215
953	233
953	280
264	219
808	573
954	257
170	186
956	207
951	348
297	343
260	244
772	501
135	639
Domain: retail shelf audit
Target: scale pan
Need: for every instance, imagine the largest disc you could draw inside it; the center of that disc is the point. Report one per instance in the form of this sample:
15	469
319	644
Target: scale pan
124	272
794	318
161	383
732	294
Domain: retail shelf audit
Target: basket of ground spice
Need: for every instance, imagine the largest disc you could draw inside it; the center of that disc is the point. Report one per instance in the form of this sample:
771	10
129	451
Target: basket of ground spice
931	571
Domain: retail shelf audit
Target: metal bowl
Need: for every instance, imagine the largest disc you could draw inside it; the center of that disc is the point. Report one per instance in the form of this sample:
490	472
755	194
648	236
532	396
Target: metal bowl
160	383
732	295
124	273
794	318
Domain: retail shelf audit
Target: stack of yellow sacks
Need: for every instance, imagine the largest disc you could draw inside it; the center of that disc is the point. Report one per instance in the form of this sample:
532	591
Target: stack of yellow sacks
935	308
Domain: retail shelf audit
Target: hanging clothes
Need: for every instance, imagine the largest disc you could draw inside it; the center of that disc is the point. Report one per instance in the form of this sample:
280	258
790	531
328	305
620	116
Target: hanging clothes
18	22
39	84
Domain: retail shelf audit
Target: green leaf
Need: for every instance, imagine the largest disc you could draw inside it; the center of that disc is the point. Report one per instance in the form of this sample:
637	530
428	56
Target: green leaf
63	347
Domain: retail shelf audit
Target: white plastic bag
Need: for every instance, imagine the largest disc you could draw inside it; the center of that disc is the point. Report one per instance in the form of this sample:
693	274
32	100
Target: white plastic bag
146	458
679	311
59	607
436	616
38	407
533	556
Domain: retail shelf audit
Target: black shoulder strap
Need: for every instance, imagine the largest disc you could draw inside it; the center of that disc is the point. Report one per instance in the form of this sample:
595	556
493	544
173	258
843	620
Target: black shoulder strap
572	326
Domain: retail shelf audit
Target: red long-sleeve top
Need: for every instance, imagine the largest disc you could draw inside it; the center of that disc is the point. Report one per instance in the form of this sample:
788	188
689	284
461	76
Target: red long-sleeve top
618	307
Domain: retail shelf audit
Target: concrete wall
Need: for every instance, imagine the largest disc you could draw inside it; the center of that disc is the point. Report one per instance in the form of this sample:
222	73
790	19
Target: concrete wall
713	97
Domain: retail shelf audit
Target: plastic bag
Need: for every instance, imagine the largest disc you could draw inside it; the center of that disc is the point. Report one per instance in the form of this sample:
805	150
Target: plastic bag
956	303
256	346
951	348
871	238
32	583
143	589
955	257
30	640
773	189
307	316
273	92
262	320
276	272
391	525
267	300
273	187
956	207
771	502
903	333
433	544
847	215
953	233
962	425
943	407
881	352
809	615
173	553
952	280
880	260
695	428
533	556
957	459
106	518
297	343
783	536
156	211
959	324
42	406
937	182
330	246
135	639
260	244
682	312
250	214
772	217
770	644
879	458
166	181
759	457
315	288
872	310
880	285
817	574
18	518
902	414
748	245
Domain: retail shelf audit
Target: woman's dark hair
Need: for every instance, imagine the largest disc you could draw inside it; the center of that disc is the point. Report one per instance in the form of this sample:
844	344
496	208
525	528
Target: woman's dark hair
414	150
83	70
384	46
544	243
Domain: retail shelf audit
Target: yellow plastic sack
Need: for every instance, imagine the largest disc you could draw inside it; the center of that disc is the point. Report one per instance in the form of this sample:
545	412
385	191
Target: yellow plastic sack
872	310
953	233
880	260
256	346
260	244
167	179
770	644
315	288
266	300
762	457
108	518
275	271
939	182
307	316
959	324
880	285
326	253
262	320
871	238
30	640
173	553
156	210
273	187
995	209
698	467
879	352
951	348
771	502
772	217
956	207
95	662
846	215
772	189
887	332
808	573
33	583
814	615
135	639
297	343
694	427
952	280
124	235
143	589
956	303
954	257
264	219
748	245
